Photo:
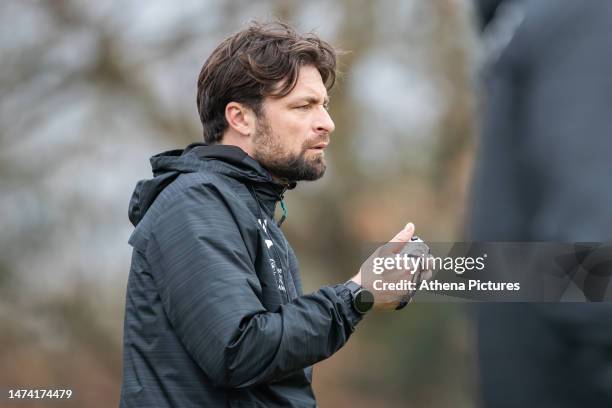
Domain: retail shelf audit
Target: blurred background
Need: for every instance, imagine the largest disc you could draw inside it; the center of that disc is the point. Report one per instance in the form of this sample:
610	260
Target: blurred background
90	90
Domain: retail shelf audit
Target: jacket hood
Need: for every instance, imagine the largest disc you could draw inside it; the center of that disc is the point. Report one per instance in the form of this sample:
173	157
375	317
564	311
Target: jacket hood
229	160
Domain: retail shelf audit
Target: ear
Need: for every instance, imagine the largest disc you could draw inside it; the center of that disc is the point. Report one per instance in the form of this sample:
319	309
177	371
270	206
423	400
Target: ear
240	118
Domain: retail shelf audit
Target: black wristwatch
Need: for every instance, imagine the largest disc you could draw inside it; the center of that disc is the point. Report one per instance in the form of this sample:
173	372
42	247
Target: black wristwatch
363	299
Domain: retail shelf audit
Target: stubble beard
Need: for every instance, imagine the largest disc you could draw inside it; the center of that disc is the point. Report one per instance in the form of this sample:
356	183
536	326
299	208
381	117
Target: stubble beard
280	163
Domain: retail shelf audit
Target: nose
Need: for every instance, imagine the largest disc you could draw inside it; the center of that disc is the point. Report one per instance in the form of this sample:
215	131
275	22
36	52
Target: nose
324	123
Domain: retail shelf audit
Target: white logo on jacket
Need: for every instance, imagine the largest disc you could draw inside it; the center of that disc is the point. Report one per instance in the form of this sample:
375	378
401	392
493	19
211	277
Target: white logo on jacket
278	272
264	226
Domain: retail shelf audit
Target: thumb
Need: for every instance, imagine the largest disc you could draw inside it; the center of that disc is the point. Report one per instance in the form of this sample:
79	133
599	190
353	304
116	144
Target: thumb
400	239
405	234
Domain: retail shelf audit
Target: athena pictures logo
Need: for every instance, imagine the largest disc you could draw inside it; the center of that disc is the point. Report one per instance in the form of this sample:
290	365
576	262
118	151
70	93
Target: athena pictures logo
493	271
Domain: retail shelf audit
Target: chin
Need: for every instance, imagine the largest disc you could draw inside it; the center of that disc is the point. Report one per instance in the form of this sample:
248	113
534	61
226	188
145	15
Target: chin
317	170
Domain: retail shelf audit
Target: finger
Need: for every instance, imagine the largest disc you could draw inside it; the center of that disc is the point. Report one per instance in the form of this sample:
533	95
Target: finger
399	240
405	234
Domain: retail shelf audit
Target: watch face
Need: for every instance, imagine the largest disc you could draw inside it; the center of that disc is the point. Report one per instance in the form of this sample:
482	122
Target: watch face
364	300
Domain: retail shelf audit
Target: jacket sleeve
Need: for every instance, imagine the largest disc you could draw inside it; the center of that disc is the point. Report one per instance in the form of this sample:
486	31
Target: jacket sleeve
207	285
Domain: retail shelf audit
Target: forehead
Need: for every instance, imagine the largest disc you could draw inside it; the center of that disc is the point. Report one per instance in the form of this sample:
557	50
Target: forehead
309	84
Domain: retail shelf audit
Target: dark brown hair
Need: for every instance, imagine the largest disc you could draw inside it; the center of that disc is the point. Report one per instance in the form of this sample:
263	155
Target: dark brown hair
259	61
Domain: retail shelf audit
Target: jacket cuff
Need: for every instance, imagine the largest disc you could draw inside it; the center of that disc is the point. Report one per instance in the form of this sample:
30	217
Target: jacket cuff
351	314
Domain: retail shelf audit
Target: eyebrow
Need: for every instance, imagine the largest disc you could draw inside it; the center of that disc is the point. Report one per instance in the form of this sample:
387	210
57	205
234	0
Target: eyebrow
312	99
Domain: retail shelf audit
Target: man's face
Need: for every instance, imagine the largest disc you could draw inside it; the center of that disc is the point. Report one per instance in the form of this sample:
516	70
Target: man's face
293	131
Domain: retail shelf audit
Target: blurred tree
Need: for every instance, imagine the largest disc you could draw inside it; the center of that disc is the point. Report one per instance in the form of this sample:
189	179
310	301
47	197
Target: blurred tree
90	90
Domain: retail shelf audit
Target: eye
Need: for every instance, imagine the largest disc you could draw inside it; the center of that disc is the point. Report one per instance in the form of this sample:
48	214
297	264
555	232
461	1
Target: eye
326	106
303	107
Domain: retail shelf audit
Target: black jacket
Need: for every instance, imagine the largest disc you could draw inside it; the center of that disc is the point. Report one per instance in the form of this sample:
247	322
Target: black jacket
215	314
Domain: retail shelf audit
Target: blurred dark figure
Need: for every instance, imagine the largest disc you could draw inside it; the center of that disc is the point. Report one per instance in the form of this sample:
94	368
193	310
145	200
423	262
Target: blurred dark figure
543	173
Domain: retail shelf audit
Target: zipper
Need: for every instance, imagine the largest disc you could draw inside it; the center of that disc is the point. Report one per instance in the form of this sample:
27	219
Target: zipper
283	207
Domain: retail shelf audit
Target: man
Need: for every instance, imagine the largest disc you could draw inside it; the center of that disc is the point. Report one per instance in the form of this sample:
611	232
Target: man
215	314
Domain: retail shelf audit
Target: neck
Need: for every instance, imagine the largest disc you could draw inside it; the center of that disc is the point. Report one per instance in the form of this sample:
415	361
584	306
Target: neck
233	139
230	138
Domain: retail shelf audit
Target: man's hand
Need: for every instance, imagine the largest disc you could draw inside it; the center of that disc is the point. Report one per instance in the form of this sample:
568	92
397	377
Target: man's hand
398	275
